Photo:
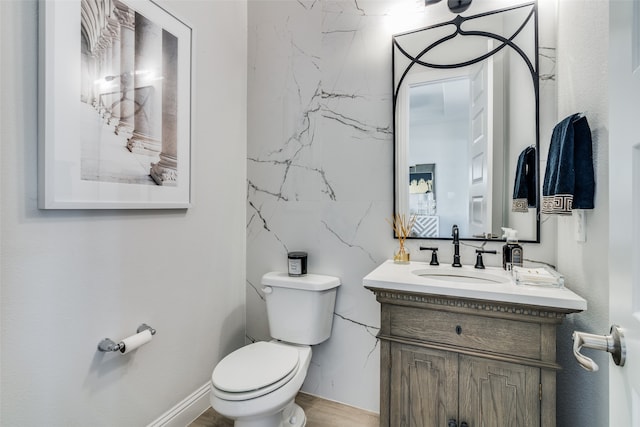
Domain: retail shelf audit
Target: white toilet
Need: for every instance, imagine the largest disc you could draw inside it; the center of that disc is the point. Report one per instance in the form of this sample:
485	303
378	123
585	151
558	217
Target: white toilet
256	385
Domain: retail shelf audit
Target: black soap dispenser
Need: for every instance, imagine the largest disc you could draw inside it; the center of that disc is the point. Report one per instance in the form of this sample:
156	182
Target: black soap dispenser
512	255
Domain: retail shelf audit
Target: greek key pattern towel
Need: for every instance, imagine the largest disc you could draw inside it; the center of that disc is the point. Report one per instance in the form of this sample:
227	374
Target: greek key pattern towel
569	181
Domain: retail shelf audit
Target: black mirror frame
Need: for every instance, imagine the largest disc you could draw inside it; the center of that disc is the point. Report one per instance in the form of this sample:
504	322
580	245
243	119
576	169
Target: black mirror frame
533	69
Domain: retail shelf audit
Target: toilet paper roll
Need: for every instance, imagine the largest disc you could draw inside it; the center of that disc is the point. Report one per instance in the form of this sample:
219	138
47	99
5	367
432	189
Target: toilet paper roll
134	341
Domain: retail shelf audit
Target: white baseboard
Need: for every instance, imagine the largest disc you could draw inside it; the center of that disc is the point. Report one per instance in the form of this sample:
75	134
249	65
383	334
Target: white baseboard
187	410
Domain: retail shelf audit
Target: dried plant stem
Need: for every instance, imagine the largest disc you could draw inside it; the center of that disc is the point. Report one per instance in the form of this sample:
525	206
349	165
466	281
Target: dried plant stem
402	226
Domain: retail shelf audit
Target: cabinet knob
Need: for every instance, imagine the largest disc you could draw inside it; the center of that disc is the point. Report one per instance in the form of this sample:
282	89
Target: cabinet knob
452	423
464	424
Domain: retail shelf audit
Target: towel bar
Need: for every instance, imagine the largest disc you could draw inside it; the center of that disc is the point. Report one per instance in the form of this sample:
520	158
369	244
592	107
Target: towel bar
613	343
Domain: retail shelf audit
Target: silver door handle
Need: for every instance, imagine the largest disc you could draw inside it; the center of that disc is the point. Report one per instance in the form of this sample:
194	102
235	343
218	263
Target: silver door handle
613	343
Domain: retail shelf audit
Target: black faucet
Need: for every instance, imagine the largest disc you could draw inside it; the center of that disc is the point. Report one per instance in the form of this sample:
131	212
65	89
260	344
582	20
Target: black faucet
455	233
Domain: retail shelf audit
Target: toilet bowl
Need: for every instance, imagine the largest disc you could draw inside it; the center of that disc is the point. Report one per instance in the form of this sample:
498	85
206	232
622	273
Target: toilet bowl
256	385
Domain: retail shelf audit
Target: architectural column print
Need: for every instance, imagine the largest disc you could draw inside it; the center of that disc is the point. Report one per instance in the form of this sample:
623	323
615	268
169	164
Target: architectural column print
114	76
107	53
86	92
165	172
126	19
148	88
99	73
95	67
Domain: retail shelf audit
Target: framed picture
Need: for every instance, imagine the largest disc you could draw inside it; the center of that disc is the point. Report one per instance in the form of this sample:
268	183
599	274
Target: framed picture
114	106
422	178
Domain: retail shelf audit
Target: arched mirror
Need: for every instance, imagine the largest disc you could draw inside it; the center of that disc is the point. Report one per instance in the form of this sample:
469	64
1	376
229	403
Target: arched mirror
466	125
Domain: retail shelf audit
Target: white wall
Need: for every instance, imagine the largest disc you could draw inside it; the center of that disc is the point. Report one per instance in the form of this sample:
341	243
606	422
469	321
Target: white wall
583	42
319	171
71	278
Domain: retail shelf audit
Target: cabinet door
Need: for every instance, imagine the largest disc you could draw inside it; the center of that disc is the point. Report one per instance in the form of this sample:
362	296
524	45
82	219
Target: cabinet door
424	387
496	393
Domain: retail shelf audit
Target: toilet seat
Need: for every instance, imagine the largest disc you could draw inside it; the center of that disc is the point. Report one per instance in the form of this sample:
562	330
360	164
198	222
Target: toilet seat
254	370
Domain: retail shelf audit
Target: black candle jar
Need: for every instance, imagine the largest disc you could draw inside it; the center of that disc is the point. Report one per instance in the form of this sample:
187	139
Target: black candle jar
297	263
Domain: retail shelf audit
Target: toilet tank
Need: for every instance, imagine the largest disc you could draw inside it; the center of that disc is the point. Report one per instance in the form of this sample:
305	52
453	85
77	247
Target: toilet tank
300	308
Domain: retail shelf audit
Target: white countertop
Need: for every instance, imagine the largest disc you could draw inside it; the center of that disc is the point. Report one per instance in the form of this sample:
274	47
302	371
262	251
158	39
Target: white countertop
402	277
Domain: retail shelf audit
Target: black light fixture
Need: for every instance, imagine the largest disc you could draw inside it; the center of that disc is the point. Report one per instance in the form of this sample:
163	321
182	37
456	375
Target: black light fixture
455	6
458	6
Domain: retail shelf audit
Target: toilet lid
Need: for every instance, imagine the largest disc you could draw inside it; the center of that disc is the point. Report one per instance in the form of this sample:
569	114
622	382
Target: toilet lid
254	366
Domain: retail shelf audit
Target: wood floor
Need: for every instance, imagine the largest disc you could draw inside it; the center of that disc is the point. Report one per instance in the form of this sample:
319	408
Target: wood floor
320	413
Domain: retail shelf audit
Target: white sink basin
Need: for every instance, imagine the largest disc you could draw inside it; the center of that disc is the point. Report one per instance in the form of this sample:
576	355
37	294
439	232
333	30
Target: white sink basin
490	284
446	274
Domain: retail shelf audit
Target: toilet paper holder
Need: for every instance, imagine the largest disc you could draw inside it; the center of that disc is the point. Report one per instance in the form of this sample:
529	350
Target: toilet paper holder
108	344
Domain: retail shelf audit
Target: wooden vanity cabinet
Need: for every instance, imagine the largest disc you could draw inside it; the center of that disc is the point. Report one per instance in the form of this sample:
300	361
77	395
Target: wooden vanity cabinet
477	362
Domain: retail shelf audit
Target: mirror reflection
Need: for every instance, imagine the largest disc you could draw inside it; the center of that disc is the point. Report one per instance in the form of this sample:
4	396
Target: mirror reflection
466	125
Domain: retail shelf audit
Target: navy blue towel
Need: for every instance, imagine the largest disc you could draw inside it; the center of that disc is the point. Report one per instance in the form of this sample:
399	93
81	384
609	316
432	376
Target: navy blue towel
524	187
569	181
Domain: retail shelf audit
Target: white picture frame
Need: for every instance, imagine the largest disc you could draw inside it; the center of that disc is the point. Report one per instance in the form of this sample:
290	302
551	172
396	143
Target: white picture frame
114	106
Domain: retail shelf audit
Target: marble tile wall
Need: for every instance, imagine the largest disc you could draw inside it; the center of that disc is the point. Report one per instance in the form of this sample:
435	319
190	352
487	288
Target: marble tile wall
320	167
